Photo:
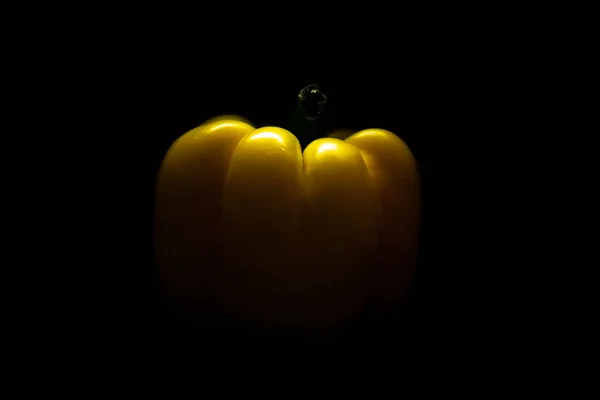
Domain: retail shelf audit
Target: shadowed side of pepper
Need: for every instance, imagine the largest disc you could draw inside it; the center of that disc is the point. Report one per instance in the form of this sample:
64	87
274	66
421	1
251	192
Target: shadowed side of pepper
188	213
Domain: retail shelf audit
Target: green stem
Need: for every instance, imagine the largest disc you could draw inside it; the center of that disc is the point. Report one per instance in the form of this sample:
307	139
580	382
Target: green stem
307	122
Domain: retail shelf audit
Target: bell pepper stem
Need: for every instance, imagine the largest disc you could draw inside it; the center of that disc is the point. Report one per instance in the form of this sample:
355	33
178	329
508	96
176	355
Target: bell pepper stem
307	122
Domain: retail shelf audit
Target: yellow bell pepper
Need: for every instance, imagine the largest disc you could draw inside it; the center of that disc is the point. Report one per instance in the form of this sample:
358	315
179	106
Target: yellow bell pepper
249	225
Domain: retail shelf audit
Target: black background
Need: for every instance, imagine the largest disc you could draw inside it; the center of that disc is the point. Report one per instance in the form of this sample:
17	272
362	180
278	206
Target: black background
103	94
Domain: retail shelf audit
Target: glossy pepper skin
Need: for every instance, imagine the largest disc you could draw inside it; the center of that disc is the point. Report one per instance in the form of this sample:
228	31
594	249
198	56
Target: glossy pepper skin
248	225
